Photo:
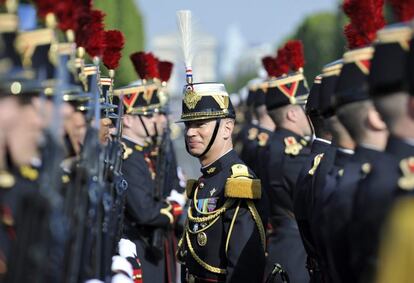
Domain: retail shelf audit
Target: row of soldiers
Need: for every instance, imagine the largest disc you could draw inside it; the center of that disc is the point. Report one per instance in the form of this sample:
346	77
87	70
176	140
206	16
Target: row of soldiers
336	159
89	182
89	176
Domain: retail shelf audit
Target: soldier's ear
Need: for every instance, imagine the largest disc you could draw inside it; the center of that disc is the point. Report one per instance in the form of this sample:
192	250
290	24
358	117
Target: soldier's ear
228	128
127	120
410	106
292	114
375	121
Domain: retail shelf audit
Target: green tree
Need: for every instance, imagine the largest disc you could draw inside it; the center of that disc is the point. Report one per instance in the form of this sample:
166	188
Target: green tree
125	16
323	40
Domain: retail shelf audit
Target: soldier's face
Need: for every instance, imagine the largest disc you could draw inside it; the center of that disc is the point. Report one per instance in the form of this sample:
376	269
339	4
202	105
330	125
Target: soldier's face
304	122
26	134
198	135
75	127
160	122
9	111
136	125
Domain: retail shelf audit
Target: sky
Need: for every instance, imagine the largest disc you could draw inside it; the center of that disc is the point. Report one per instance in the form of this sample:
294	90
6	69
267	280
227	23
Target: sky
258	20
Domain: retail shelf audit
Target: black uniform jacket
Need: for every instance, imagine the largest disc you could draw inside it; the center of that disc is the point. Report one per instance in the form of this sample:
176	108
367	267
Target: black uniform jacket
224	238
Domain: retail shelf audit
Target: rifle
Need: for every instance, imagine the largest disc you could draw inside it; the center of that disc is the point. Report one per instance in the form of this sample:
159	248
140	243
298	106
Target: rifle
114	196
85	251
160	183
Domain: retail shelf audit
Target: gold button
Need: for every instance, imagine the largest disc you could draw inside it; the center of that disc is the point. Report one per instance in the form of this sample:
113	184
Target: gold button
201	239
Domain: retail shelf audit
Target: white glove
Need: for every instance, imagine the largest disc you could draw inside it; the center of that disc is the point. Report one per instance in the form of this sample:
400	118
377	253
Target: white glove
127	248
121	278
120	263
177	197
181	177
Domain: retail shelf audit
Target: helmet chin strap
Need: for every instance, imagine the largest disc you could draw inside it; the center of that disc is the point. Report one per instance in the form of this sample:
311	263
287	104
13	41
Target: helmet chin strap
154	138
143	124
213	138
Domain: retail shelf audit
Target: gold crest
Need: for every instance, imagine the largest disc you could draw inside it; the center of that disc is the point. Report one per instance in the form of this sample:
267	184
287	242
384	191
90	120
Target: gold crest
191	99
292	146
201	239
252	133
263	138
406	182
316	162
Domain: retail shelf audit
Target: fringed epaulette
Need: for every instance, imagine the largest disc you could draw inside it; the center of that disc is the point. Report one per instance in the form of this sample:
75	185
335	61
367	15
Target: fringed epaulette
406	181
241	184
292	146
189	188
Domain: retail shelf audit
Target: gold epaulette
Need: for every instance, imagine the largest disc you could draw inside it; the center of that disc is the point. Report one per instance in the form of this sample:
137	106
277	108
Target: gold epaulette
292	146
406	181
189	188
126	151
241	184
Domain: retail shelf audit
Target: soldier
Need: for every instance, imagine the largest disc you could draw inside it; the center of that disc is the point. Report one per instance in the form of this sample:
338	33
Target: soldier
357	113
144	212
248	133
391	97
287	151
224	238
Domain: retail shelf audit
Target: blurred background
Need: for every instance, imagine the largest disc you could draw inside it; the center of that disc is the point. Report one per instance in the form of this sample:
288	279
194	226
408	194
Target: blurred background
231	37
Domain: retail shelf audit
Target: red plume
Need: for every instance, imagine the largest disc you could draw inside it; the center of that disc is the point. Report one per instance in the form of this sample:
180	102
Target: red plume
139	62
282	62
165	70
403	9
145	64
269	63
96	41
66	14
114	42
44	7
296	58
151	66
366	17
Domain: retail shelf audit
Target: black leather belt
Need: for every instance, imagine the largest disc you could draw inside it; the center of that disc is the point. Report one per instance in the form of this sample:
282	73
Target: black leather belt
195	279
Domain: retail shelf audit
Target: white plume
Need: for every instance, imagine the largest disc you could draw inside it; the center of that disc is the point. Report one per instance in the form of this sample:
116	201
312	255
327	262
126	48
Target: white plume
185	28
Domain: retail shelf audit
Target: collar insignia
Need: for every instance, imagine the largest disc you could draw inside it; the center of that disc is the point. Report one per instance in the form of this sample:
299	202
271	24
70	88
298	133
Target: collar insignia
29	173
138	147
6	180
211	170
212	191
263	138
406	182
292	146
252	134
316	162
191	99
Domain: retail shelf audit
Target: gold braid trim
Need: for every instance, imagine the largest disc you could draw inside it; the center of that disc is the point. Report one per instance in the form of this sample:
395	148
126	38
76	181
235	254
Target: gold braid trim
258	221
232	225
210	217
203	229
200	261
